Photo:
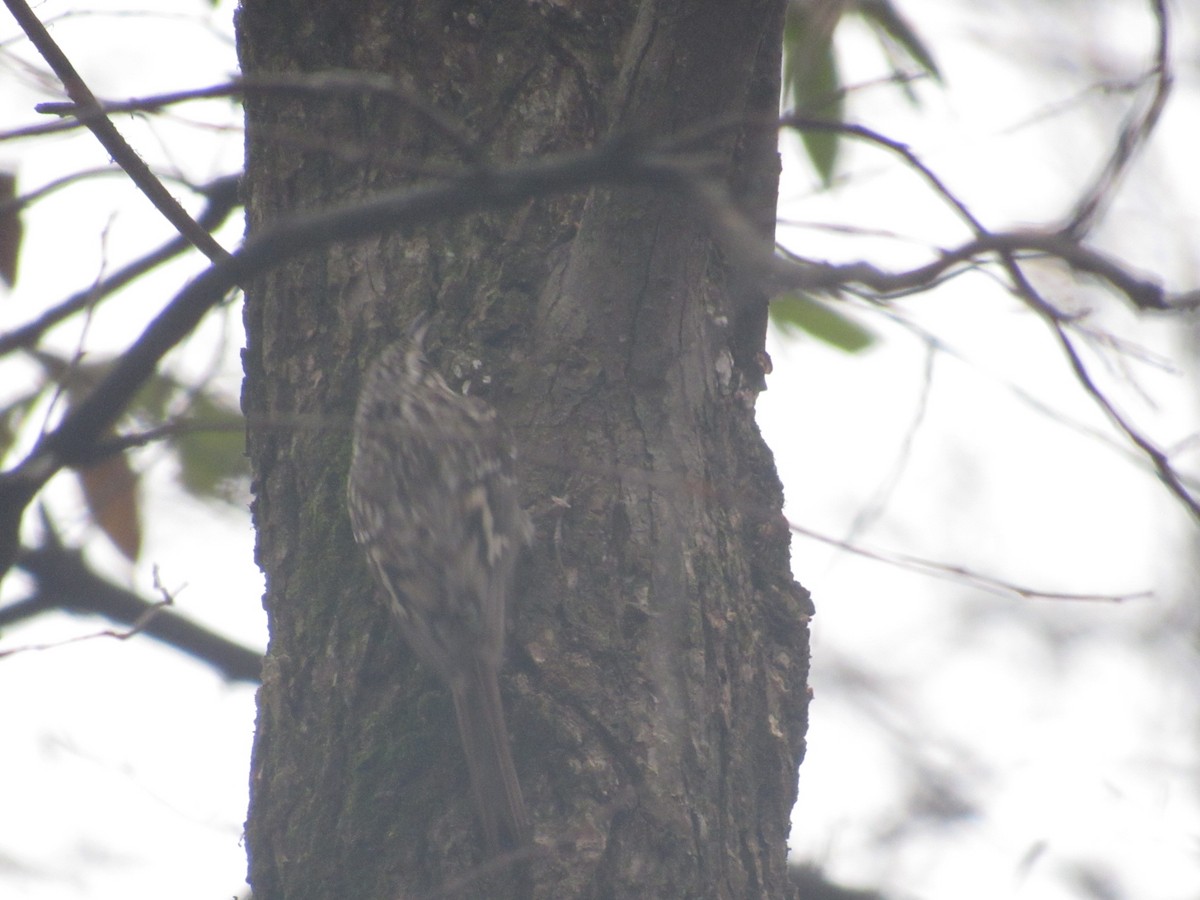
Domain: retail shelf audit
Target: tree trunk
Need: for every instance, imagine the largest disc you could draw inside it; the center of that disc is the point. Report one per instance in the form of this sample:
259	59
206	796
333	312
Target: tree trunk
656	670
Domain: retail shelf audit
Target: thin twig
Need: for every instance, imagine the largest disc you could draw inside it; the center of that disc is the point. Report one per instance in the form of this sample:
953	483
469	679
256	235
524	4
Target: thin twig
1143	294
1133	136
961	574
90	113
618	161
65	583
222	196
329	81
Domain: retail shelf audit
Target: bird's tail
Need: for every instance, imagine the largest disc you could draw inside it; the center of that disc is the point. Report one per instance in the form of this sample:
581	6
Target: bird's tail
481	725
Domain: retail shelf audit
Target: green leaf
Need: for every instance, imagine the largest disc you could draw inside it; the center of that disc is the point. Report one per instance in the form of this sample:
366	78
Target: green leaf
209	442
149	405
812	82
11	229
793	313
12	418
885	21
212	453
822	146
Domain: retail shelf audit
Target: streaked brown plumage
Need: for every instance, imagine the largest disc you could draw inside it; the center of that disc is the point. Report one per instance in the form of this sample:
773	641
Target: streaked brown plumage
434	504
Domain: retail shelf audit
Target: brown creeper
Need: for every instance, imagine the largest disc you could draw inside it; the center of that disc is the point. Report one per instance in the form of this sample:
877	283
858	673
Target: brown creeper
433	502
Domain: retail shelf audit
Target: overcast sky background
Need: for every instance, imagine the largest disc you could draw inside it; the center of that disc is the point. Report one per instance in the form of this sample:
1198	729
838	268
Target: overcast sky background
1061	735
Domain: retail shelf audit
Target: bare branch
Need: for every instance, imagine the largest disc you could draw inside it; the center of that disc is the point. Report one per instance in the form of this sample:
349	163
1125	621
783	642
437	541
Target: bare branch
330	81
619	161
112	446
90	113
65	583
1158	458
623	160
1138	127
223	199
1142	294
861	132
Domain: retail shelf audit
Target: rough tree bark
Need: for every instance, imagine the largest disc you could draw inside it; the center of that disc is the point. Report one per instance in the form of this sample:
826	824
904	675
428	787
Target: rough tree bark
656	676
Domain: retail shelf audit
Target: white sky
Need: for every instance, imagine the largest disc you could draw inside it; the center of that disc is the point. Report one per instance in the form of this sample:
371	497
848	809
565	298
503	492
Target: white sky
1070	727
